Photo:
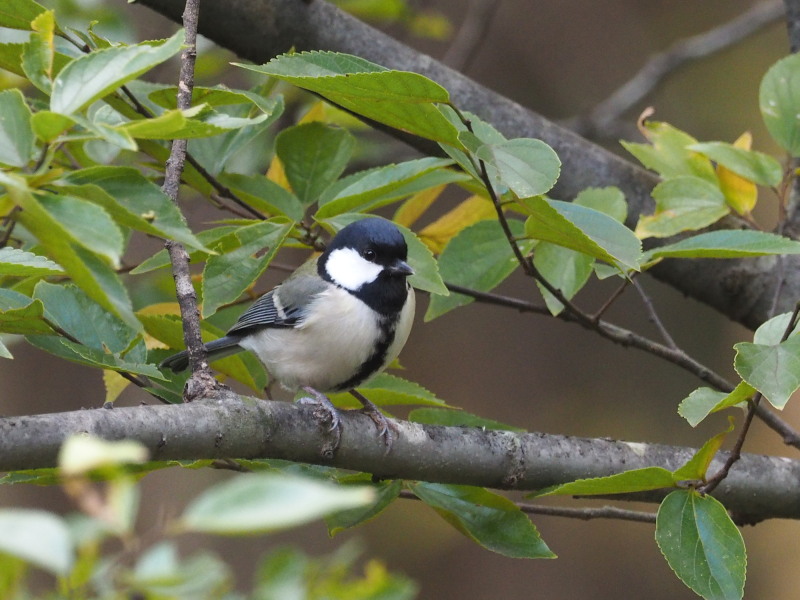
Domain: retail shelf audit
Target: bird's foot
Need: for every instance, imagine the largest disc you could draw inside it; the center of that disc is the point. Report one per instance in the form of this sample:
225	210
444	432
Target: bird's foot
327	413
387	428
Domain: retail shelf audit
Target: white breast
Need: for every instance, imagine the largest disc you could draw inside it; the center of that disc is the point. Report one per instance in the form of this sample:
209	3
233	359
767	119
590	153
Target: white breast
321	352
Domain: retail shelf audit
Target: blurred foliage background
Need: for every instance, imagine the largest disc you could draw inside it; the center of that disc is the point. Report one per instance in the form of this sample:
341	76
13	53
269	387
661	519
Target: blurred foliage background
559	58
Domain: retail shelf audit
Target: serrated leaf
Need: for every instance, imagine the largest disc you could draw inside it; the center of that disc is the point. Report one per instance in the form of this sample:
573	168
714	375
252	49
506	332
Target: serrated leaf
264	195
48	126
386	492
99	73
389	390
702	545
38	52
774	370
705	401
778	99
772	331
370	189
24	319
727	243
262	502
527	167
227	275
82	318
755	166
208	238
314	155
18	14
437	234
426	275
403	100
480	258
491	520
132	200
19	263
636	480
88	271
114	384
16	132
683	204
91	357
669	155
583	229
563	268
38	537
609	200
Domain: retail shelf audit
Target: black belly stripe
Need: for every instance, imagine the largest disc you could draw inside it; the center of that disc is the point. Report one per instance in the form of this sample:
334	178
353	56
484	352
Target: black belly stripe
370	366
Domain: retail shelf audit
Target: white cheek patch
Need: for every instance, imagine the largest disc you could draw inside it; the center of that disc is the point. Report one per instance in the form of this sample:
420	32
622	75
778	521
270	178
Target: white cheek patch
350	270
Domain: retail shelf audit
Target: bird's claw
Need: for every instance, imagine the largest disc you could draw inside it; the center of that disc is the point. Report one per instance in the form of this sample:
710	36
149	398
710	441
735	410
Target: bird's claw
325	410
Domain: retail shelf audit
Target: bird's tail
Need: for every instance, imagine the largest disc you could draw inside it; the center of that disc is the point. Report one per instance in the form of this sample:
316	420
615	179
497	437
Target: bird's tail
224	346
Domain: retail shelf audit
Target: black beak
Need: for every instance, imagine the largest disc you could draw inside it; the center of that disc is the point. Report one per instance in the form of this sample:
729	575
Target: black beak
400	267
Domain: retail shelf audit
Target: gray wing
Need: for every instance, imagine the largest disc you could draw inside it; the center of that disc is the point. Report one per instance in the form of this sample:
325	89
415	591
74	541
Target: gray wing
284	306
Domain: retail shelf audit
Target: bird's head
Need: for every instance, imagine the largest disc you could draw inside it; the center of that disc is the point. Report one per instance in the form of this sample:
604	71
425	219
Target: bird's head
368	258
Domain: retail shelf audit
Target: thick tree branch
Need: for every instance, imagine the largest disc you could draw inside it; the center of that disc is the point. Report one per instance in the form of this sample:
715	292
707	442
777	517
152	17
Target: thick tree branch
260	29
758	487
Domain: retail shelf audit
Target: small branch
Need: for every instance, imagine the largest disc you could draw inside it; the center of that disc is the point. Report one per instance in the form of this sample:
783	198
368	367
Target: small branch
607	112
653	316
202	381
587	514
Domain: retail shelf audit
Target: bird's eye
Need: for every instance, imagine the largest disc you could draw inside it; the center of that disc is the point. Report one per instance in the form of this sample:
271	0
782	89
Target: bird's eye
369	254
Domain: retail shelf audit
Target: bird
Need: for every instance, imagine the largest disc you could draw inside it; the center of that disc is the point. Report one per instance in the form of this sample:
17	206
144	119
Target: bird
337	321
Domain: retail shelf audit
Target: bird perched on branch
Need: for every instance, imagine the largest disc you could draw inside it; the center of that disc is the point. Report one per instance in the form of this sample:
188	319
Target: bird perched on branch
337	321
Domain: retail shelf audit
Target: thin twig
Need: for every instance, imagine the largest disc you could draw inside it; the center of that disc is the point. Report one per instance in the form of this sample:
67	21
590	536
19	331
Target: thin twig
654	318
202	382
736	451
603	115
587	514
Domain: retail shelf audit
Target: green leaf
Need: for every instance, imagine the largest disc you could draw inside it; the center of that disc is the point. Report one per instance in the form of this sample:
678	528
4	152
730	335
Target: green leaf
94	276
480	258
526	166
774	370
669	155
757	167
86	224
389	390
83	319
456	418
702	545
683	204
38	537
609	200
426	275
38	53
778	98
48	126
262	502
583	229
492	521
727	243
208	238
95	75
696	467
563	268
771	332
386	492
227	275
19	263
403	100
21	315
264	195
16	132
133	201
18	14
370	189
636	480
704	401
4	353
314	155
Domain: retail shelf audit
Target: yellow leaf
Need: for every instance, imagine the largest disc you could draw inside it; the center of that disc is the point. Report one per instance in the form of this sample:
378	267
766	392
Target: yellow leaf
413	208
473	209
115	385
277	174
741	194
317	112
161	308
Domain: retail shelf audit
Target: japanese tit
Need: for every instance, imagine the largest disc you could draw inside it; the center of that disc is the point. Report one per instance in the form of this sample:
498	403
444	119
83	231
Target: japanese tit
337	321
